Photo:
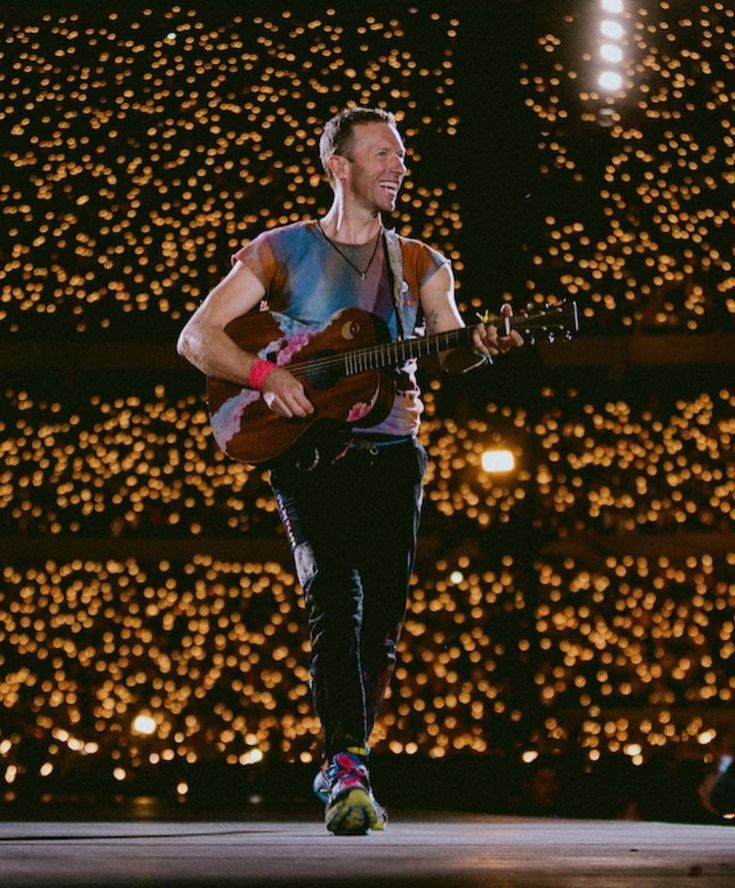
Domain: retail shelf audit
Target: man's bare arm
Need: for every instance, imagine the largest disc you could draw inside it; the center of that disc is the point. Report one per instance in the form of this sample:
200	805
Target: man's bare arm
205	344
441	313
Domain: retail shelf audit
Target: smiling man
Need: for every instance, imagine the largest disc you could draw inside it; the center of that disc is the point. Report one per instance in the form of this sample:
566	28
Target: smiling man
349	496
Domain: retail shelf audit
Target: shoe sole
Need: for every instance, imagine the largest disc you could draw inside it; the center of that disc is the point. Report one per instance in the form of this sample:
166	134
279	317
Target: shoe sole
353	815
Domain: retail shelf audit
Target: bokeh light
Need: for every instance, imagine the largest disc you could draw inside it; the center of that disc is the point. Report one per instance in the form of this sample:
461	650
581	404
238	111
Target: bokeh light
580	599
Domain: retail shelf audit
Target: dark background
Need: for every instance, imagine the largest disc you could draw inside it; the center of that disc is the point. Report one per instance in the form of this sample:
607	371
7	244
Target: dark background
569	641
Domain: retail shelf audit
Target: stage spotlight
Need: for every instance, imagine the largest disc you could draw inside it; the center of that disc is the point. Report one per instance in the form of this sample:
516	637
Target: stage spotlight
611	53
614	6
610	81
612	30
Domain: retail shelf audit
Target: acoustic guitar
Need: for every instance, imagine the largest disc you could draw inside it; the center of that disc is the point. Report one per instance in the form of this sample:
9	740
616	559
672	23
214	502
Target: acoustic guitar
346	368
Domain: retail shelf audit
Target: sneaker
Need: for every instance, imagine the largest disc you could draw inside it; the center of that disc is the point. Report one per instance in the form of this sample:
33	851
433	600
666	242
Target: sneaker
321	785
351	808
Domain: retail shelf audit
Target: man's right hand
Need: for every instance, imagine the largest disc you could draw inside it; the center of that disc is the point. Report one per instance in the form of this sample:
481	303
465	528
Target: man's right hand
285	395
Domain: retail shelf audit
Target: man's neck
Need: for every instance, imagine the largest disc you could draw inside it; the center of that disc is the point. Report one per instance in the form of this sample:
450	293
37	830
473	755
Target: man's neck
351	225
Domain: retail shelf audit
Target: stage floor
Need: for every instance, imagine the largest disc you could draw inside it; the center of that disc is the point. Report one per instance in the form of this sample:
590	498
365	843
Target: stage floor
419	850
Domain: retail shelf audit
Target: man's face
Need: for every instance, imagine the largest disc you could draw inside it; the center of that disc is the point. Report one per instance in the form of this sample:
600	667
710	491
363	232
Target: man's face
373	166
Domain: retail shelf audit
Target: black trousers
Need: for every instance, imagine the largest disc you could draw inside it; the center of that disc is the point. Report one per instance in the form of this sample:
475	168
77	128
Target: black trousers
351	520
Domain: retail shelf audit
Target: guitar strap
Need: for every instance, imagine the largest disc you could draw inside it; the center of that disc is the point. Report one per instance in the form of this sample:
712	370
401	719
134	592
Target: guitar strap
395	267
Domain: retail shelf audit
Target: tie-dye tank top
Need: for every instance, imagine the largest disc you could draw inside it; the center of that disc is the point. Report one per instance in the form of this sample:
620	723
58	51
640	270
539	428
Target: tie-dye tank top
308	280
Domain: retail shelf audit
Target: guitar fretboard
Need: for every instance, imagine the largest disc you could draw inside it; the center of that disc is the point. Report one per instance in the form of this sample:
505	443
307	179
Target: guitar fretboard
392	354
548	323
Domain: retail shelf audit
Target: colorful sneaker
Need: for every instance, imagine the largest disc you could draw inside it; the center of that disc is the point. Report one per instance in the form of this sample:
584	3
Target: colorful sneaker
351	806
321	785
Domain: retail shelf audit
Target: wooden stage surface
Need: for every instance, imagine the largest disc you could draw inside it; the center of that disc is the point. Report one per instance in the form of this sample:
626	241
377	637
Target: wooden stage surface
421	850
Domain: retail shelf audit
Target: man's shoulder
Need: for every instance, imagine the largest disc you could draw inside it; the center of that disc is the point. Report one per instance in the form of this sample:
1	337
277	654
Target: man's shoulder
410	244
419	255
402	239
288	233
277	243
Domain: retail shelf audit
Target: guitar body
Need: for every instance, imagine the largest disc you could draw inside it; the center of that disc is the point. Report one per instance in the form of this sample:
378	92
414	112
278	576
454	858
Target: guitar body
248	431
341	365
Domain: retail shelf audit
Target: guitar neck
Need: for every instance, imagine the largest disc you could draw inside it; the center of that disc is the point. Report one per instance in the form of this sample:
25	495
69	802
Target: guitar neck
392	354
549	324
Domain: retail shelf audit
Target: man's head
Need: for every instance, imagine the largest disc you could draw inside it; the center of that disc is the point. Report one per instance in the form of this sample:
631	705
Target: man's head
338	132
364	157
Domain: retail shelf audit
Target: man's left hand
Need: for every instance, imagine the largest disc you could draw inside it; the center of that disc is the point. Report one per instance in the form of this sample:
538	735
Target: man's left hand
487	340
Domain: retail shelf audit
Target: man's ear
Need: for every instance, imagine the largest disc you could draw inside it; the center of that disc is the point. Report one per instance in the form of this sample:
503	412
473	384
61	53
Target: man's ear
338	166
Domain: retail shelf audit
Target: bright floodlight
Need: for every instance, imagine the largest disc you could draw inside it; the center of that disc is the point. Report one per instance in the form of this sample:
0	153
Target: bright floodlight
498	461
611	53
611	30
610	80
144	724
612	5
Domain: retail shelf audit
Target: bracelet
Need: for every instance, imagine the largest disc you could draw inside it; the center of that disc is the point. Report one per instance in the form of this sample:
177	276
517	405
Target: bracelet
258	373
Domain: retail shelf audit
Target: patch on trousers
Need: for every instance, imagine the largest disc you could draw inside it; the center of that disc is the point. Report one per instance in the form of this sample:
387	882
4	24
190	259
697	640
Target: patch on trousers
305	562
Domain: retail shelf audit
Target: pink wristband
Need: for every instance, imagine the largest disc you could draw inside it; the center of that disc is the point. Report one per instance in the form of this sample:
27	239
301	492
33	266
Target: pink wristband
258	373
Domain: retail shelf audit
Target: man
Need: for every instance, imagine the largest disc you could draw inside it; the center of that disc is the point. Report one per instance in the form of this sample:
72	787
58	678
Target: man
349	499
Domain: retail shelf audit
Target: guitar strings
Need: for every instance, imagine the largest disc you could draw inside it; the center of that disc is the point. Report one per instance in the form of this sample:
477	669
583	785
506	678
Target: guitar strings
303	367
357	354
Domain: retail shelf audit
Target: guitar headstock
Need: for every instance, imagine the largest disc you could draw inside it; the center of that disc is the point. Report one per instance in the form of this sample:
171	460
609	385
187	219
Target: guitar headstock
548	323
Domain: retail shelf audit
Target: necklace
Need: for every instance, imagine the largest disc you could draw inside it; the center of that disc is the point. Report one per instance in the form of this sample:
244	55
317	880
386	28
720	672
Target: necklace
332	244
